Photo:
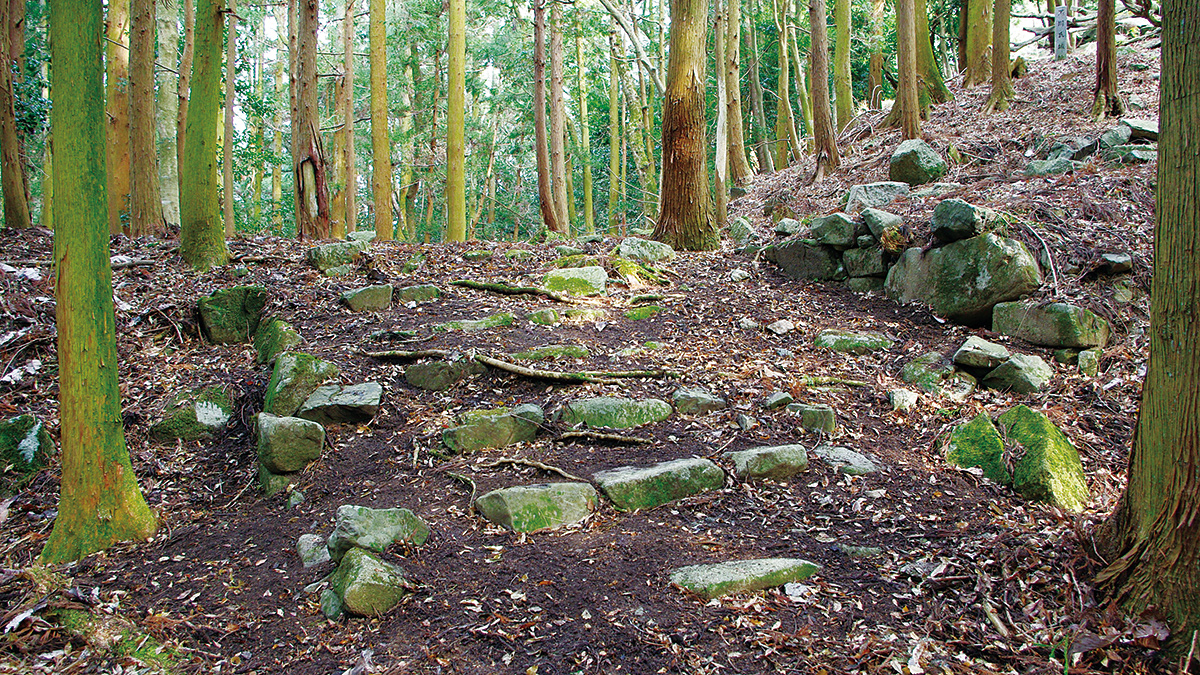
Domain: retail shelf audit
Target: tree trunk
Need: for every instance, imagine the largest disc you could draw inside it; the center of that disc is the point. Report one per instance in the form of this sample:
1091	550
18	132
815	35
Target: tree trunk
801	90
146	209
1154	536
258	124
185	87
585	131
335	91
784	122
635	127
931	87
381	151
12	180
824	140
1002	87
875	66
281	90
685	220
545	192
117	85
308	159
230	99
168	112
350	174
614	130
739	164
979	42
407	194
100	502
721	163
759	127
1108	100
909	115
456	87
843	93
558	178
570	173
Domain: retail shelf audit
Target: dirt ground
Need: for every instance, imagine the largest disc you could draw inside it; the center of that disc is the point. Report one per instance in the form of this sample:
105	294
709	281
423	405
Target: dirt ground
970	578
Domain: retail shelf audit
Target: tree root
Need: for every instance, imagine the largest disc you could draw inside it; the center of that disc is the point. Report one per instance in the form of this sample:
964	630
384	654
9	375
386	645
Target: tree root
505	289
820	381
610	438
403	355
518	461
474	489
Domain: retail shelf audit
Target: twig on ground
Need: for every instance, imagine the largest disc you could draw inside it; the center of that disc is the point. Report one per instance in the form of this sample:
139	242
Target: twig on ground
474	489
505	289
824	380
407	355
542	374
533	464
597	436
1049	257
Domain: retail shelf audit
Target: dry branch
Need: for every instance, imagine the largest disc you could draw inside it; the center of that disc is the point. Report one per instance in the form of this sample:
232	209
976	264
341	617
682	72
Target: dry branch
533	464
505	289
543	374
610	438
403	355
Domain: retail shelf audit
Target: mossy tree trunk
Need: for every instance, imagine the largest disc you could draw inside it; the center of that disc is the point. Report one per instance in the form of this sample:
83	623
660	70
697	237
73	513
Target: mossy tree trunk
614	129
202	237
308	157
231	25
558	133
346	110
685	218
824	139
12	178
186	59
1002	87
875	64
844	97
582	85
979	42
100	501
1154	536
1108	100
381	146
117	98
146	207
906	110
785	122
931	87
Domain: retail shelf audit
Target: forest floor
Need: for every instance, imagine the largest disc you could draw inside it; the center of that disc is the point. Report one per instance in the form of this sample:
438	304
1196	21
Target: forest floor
970	579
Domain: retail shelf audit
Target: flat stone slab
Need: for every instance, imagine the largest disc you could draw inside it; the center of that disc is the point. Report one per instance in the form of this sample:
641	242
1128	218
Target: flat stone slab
375	529
845	460
645	250
440	375
193	415
716	580
530	508
1056	324
607	412
631	488
577	280
475	432
368	586
979	353
338	254
697	401
296	375
1022	373
288	444
871	195
852	342
335	404
777	399
470	326
369	299
418	293
777	462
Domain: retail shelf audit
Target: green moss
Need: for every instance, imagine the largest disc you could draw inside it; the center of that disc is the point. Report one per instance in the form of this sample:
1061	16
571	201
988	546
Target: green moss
494	321
146	650
414	263
579	260
615	413
978	444
644	312
1050	470
927	372
231	315
476	256
544	317
552	352
583	315
273	337
296	376
571	285
25	445
851	342
75	622
183	417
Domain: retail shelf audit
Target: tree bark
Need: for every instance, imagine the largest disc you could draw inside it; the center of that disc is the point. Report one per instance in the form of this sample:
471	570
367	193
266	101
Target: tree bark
685	220
100	502
614	130
308	158
758	129
12	179
784	120
1154	537
1002	87
381	152
739	164
979	41
875	65
906	99
1108	101
349	160
407	194
230	99
281	91
185	86
202	237
258	127
168	112
824	140
558	171
545	192
456	187
146	208
585	131
931	87
844	94
721	158
117	85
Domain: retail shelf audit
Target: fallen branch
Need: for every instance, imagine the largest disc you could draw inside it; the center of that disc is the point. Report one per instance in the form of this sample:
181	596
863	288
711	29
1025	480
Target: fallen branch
403	355
505	289
543	374
530	463
822	380
474	489
610	438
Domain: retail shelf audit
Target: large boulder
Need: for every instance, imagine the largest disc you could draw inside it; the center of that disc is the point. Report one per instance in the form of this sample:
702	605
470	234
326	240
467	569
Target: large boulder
965	279
713	581
288	444
804	259
366	585
273	337
916	163
631	488
872	195
231	315
295	377
977	444
837	230
577	281
336	404
1056	324
530	508
954	219
607	412
778	462
363	527
25	447
193	415
645	250
1022	373
326	257
1050	469
494	429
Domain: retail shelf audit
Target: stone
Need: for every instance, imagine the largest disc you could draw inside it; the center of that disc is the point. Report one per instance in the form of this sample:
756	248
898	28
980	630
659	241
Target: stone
440	375
547	316
1141	129
872	195
1050	470
338	271
336	404
288	444
747	323
362	235
916	163
488	431
864	262
643	312
789	226
741	232
471	326
979	353
865	284
1132	154
837	230
328	256
865	241
954	219
977	444
632	488
477	255
576	261
781	327
531	508
273	337
852	342
370	299
778	462
25	448
367	585
564	250
518	254
1118	135
716	580
696	401
927	372
590	238
1066	357
195	414
608	412
959	386
804	259
272	483
577	281
418	293
362	527
935	190
231	315
586	314
845	460
331	604
529	411
552	352
644	250
1115	263
739	275
964	280
1040	168
296	498
1057	324
312	550
902	399
296	375
745	422
1021	373
1089	362
777	399
815	417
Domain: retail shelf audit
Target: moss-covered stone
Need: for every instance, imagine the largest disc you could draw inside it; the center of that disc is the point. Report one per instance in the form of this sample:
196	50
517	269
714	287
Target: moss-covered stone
864	262
643	312
469	326
418	293
288	444
584	314
852	342
927	372
547	316
272	483
697	401
518	254
778	462
979	353
632	488
337	404
837	230
955	219
845	460
1089	362
577	281
1022	373
362	527
478	255
295	377
327	256
870	195
367	585
565	251
193	415
978	444
530	508
1050	470
232	315
916	162
370	299
25	447
552	352
644	250
273	337
815	417
805	259
440	375
576	261
713	581
607	412
489	431
1057	324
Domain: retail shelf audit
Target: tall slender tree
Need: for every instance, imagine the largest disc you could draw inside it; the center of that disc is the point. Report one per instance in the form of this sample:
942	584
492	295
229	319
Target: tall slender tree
308	158
931	86
12	175
100	502
146	207
875	63
1108	101
202	235
168	110
908	117
456	186
685	219
739	164
1153	539
824	139
758	128
1002	87
979	38
843	92
545	192
117	85
558	155
614	129
381	153
581	90
186	58
231	56
346	112
785	122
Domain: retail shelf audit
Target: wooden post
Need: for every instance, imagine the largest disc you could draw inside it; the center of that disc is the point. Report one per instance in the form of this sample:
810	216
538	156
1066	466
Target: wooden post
1060	32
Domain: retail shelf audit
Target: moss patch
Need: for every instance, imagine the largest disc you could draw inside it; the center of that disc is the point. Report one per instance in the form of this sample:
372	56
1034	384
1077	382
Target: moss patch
978	444
231	315
295	377
494	321
194	415
644	312
25	446
273	337
1050	470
